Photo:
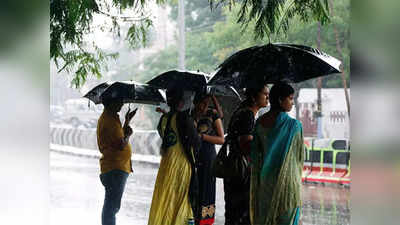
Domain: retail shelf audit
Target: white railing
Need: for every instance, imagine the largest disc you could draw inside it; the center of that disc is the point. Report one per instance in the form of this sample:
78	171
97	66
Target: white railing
146	142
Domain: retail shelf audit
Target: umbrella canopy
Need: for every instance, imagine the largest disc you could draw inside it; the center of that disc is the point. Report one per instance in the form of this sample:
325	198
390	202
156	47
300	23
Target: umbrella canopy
187	80
274	62
228	105
127	92
223	90
94	94
191	81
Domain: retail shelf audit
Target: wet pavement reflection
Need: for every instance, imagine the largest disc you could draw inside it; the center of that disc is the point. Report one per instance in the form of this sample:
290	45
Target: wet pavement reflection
328	205
76	195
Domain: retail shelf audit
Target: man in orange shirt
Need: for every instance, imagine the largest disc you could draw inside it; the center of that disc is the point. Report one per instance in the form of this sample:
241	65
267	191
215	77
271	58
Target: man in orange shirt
115	162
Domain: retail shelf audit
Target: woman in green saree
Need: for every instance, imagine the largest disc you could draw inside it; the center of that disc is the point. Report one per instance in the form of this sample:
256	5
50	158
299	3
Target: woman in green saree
277	154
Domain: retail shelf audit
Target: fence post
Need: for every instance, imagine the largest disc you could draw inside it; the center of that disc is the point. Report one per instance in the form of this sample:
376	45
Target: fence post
334	161
321	166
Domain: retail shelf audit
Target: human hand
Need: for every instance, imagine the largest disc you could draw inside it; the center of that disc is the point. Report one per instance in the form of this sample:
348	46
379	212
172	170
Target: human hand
129	115
128	131
215	100
160	110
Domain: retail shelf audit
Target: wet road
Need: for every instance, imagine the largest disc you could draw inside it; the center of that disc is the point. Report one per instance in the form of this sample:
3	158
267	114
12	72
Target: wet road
76	196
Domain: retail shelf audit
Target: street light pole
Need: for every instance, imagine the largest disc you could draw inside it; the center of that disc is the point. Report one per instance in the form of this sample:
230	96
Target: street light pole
181	43
319	87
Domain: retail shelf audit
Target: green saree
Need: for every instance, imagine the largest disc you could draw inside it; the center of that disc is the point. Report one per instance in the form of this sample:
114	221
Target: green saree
277	156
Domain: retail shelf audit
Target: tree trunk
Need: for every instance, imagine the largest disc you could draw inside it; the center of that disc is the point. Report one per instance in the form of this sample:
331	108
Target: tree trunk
339	49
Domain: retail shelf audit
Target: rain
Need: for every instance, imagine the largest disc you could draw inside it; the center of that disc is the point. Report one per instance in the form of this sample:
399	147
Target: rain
321	106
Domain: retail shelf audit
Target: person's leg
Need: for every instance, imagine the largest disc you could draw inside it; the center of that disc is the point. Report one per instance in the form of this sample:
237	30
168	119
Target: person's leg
244	202
106	214
114	183
202	190
230	202
244	210
207	186
237	201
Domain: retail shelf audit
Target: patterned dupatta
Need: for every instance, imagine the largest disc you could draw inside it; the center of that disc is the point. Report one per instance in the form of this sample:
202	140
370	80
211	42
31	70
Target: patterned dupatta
277	159
280	137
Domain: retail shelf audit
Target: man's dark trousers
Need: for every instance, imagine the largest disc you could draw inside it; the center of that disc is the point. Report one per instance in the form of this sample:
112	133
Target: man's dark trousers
114	183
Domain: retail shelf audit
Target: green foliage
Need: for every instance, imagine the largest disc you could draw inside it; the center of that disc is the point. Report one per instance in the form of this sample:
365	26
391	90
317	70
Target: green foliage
70	21
273	16
227	36
86	63
206	50
307	34
240	25
160	62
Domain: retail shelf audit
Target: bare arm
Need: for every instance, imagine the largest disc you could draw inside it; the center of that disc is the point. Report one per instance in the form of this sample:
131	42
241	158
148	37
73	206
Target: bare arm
127	130
160	110
218	107
128	117
219	139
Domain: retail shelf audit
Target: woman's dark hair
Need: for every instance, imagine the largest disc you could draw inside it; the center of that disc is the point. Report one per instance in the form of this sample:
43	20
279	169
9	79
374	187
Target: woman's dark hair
108	102
278	93
251	94
199	97
174	97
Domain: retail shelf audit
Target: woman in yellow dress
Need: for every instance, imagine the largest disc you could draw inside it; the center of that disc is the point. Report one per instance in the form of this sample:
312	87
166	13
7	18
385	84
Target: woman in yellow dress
176	189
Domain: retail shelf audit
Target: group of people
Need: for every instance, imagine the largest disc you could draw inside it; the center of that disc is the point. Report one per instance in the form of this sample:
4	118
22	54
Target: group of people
185	190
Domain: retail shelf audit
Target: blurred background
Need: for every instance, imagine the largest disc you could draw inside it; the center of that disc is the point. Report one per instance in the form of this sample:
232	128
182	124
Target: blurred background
24	75
35	93
375	83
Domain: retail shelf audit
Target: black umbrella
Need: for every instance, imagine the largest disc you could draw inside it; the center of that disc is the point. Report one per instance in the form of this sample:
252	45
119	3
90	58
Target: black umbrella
223	90
191	81
94	94
274	62
228	105
228	98
187	80
127	92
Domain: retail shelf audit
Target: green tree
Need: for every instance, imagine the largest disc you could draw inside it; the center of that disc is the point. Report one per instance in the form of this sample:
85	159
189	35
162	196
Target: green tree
206	50
70	21
307	34
273	16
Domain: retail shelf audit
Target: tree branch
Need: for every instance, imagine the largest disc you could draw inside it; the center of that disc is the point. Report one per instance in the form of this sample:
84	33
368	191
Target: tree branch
125	18
284	15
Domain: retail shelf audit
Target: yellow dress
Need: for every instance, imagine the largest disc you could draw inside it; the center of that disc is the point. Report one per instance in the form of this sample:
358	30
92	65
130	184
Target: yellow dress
170	204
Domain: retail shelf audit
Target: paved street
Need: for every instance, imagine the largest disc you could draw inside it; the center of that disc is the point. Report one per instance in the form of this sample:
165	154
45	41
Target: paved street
76	195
